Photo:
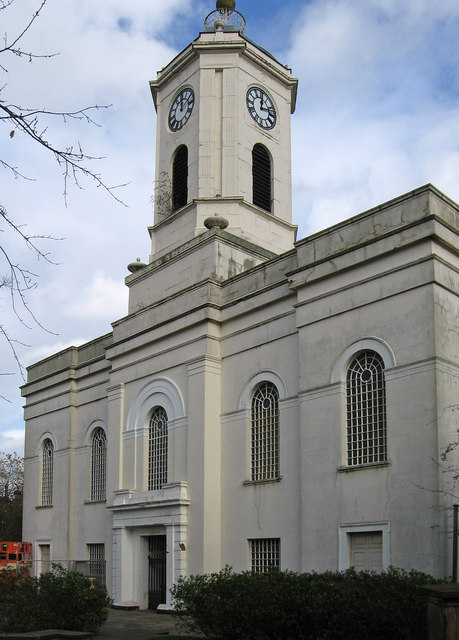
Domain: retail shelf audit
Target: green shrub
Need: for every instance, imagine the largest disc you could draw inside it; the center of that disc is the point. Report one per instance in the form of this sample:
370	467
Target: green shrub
60	600
281	605
19	609
72	601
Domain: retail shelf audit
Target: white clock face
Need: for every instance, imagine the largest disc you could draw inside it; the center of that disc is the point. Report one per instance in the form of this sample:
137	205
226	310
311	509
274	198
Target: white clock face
181	109
261	108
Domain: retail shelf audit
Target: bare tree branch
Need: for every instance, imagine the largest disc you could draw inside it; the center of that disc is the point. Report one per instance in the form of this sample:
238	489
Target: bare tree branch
17	280
12	47
11	473
5	3
70	159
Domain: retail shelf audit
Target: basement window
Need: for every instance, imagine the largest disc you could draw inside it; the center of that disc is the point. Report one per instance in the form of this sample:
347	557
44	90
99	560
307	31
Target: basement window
265	554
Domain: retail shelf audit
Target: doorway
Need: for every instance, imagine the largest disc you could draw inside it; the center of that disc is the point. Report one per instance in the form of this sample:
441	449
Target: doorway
156	571
44	557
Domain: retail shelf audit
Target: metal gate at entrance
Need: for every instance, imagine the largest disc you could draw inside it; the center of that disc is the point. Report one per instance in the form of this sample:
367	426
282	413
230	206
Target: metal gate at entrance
156	571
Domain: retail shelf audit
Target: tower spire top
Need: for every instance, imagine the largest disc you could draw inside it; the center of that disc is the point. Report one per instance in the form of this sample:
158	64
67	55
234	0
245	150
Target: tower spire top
225	18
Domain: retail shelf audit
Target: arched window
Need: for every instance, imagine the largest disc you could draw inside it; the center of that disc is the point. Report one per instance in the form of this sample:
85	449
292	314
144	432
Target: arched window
264	436
47	471
366	435
261	178
180	178
98	464
157	450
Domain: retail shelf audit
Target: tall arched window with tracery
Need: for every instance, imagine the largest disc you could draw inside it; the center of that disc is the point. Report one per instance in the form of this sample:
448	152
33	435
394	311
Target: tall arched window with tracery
98	464
264	433
157	449
366	434
47	472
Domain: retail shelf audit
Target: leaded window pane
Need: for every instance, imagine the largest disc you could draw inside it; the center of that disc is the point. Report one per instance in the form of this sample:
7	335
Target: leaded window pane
98	464
265	433
366	410
265	554
47	473
157	450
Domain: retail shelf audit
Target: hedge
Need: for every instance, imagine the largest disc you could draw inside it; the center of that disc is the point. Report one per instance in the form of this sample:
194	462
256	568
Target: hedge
58	600
282	605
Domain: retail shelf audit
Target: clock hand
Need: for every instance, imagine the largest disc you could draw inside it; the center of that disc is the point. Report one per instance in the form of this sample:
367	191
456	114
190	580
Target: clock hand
263	108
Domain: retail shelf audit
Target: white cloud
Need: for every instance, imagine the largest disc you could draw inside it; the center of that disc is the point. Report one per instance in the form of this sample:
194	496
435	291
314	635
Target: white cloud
13	441
44	351
103	298
378	104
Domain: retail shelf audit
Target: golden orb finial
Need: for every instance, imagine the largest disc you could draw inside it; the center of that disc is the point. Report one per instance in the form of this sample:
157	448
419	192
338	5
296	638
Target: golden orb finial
229	5
224	18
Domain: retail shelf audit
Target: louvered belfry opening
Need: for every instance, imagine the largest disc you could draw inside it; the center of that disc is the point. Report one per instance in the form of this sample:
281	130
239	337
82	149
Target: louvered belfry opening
180	178
261	174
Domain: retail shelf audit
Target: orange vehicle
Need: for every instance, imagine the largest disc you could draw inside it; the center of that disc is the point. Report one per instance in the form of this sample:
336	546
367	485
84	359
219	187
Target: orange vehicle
16	556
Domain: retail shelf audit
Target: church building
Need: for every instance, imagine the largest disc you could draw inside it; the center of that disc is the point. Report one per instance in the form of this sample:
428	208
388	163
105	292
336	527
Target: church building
267	400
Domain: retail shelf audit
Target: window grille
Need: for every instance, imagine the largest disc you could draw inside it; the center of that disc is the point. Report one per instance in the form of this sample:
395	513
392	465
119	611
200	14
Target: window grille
265	433
261	177
157	450
98	464
47	473
366	410
180	178
97	561
265	554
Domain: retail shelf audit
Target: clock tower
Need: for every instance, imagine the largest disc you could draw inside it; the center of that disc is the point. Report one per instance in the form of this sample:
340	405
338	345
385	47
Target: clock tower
223	139
223	162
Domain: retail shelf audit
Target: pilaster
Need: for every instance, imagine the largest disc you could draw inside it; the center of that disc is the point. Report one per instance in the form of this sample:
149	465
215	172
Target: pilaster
204	463
115	396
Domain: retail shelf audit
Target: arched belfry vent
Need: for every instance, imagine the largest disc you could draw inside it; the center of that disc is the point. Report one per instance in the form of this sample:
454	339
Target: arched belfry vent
180	178
225	18
261	177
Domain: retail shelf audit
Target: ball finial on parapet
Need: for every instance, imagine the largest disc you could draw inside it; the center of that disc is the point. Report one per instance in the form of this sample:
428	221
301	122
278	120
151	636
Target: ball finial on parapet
225	18
229	5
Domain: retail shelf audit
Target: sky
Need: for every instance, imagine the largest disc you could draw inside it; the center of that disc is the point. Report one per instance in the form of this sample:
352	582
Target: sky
377	116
